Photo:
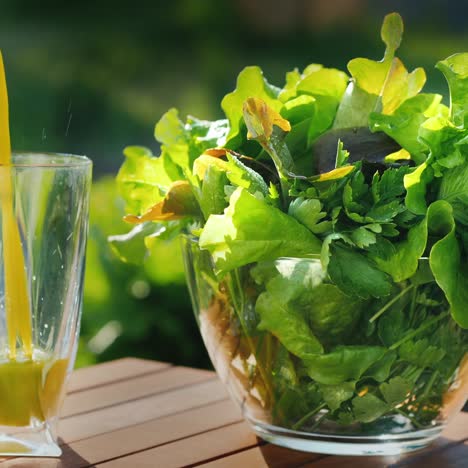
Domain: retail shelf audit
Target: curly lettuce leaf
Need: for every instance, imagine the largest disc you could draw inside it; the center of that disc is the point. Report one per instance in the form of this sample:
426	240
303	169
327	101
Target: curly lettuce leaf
130	247
378	86
455	70
250	82
179	202
144	179
403	125
445	259
185	142
401	259
234	238
454	189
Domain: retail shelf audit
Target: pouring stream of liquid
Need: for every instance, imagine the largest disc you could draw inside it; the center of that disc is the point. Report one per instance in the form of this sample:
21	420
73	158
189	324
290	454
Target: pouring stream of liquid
17	304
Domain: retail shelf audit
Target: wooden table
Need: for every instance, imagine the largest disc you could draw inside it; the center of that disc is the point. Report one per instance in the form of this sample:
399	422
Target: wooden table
135	413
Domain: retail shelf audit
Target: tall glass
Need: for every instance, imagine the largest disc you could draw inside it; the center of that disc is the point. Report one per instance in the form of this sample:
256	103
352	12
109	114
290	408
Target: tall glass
49	199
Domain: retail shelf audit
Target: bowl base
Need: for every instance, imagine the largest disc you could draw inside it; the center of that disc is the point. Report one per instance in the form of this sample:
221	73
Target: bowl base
345	445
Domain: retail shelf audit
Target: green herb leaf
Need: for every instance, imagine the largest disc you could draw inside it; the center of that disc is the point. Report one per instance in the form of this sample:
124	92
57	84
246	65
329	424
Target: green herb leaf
368	408
334	395
308	212
396	390
421	353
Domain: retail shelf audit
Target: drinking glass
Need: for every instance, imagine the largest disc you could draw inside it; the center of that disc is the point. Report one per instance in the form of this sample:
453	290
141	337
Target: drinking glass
49	202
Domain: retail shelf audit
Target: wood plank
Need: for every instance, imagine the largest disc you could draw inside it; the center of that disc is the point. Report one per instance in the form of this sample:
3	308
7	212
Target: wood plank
90	451
267	455
138	411
151	434
192	450
130	389
108	372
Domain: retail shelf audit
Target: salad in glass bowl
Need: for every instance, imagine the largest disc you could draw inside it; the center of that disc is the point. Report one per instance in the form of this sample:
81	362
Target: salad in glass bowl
325	236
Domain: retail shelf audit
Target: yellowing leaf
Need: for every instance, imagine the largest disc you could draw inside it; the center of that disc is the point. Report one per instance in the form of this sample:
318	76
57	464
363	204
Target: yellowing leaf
260	118
335	174
401	85
398	156
207	159
178	203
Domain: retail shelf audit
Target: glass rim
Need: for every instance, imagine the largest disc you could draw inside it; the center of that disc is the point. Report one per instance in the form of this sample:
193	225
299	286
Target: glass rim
305	257
67	160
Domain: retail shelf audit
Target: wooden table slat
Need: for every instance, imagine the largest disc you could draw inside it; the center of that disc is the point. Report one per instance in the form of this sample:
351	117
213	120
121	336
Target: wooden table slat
108	372
135	412
153	433
211	444
131	389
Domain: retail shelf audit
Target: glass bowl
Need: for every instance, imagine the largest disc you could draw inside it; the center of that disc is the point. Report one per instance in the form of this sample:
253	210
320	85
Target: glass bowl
316	370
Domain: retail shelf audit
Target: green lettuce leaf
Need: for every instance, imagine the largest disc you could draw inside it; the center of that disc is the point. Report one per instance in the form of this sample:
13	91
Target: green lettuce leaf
234	238
143	179
185	142
378	86
130	247
454	189
450	272
401	259
212	198
455	70
403	125
250	83
279	316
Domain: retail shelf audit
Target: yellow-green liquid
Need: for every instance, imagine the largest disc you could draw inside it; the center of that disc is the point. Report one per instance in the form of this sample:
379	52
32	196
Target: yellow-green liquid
31	389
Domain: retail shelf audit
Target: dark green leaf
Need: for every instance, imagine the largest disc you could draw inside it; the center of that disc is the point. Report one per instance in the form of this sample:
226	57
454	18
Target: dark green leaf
343	364
357	275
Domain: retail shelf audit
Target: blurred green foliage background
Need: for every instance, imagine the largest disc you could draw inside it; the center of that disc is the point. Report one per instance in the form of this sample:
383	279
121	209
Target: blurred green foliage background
93	77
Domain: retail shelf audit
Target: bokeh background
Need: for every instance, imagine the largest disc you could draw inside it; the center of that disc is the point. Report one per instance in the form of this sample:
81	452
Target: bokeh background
92	77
